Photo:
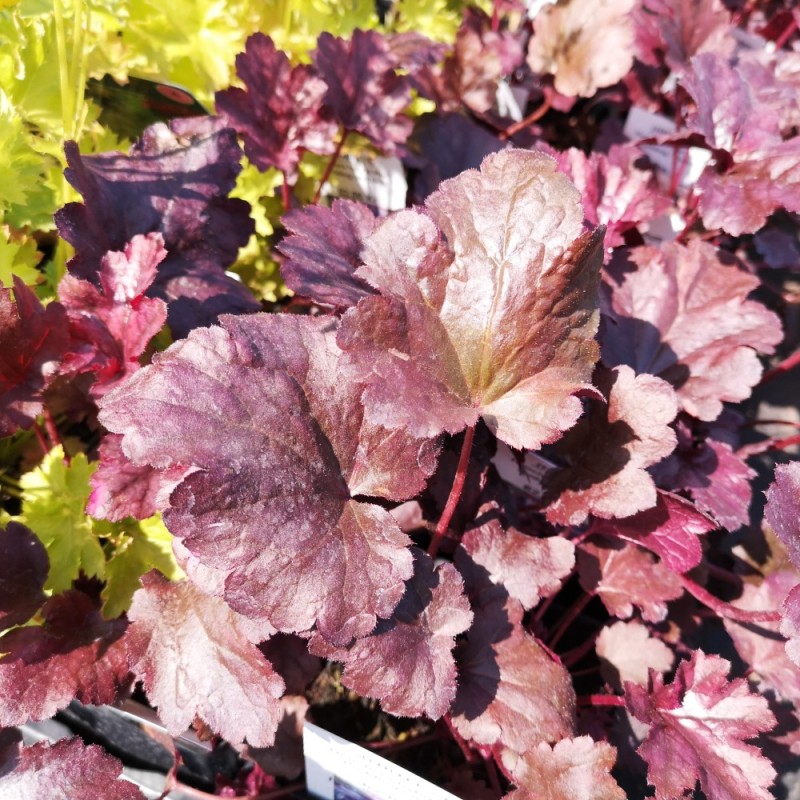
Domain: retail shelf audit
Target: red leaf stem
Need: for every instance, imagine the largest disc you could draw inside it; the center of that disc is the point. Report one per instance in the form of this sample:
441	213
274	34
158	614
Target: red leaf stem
786	34
724	609
534	116
787	364
53	434
455	492
765	446
286	193
491	772
37	428
569	617
601	700
331	164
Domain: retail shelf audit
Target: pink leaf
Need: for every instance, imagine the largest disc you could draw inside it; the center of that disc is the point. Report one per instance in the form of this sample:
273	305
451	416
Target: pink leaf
627	652
782	512
475	318
698	727
195	658
568	770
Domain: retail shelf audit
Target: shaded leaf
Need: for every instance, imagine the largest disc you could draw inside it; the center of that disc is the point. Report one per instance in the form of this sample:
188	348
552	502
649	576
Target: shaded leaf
262	408
65	770
606	454
570	769
683	315
698	727
175	182
278	112
510	342
33	339
195	658
73	654
323	252
23	571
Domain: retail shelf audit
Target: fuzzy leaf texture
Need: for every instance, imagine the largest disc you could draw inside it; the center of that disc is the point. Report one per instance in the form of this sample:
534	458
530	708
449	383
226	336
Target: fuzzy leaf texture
698	727
487	306
684	316
174	182
196	658
33	340
65	770
263	409
278	113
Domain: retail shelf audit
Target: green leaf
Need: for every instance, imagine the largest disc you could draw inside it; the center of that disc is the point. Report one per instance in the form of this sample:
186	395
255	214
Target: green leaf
54	497
18	256
140	545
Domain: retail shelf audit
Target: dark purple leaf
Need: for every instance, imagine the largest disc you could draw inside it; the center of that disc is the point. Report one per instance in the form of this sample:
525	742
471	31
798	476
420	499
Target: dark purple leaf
122	489
33	340
175	182
264	410
474	317
278	111
285	758
66	770
698	727
23	570
365	94
195	658
511	691
568	770
683	315
290	658
715	477
407	662
323	252
112	326
607	453
670	530
528	568
623	576
73	654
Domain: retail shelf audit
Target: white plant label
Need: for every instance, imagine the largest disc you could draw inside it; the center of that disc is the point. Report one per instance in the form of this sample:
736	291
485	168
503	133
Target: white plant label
528	475
340	770
379	182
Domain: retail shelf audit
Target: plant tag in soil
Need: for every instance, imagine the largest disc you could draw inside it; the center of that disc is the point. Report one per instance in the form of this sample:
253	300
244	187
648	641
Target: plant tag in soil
511	100
340	770
379	182
526	473
690	162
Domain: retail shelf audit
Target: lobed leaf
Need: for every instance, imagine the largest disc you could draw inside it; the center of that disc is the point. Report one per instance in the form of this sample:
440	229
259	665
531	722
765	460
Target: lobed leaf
627	652
262	408
195	657
698	727
782	511
474	318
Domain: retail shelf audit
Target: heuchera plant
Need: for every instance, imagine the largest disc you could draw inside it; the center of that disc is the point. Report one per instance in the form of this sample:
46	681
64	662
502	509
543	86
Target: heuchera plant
490	471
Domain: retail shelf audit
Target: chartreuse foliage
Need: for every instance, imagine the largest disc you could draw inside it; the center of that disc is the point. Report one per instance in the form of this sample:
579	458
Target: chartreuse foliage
536	373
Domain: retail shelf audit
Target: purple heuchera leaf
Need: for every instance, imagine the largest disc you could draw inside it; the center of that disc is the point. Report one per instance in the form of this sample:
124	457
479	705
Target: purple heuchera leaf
567	770
614	192
323	251
683	316
112	326
670	530
74	654
194	657
278	113
710	471
623	576
122	489
627	652
478	318
33	339
264	409
528	568
782	512
175	181
698	727
608	451
23	570
66	769
511	692
790	624
407	662
585	44
365	94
